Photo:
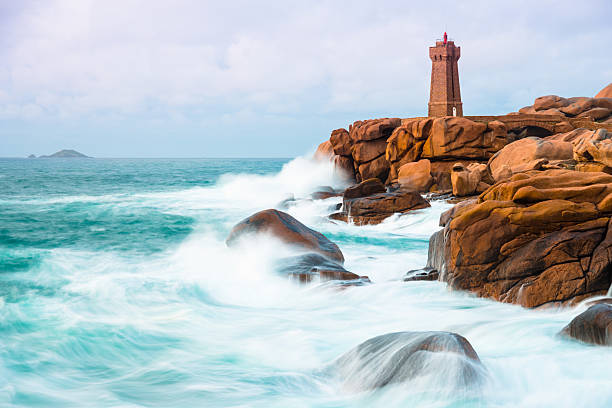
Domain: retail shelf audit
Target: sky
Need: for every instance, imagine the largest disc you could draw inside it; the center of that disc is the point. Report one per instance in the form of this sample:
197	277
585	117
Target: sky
182	78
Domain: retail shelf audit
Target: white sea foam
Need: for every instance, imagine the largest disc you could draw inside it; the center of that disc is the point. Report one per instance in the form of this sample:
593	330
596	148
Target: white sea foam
206	324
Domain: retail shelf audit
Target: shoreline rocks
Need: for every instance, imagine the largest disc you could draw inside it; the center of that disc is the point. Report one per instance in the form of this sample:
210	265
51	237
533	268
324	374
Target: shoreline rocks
541	237
369	203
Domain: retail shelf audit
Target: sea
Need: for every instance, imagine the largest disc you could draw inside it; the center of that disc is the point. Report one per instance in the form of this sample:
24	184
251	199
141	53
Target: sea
117	290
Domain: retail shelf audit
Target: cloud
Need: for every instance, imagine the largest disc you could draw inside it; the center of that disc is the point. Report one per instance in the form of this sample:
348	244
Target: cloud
197	61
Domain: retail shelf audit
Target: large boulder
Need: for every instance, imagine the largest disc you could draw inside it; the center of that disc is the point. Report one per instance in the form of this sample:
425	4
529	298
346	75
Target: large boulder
597	147
549	102
541	237
592	326
367	151
377	168
455	138
530	153
577	106
365	188
406	143
586	110
595	113
416	176
373	129
469	180
341	142
375	208
573	136
312	267
605	93
324	151
288	230
345	167
444	358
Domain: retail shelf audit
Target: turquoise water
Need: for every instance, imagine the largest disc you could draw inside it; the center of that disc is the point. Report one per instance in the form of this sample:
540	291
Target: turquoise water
116	289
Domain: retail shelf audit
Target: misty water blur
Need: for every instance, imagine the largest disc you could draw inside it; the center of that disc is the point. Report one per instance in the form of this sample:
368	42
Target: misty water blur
118	290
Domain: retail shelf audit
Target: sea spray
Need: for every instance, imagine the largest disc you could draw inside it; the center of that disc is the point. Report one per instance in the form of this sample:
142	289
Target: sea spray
151	312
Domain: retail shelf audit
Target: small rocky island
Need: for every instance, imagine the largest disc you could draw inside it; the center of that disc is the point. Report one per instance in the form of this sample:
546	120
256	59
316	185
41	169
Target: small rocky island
63	154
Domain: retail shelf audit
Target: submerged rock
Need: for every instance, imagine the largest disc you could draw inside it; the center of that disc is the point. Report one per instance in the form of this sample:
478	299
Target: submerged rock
592	326
447	359
426	274
287	229
311	267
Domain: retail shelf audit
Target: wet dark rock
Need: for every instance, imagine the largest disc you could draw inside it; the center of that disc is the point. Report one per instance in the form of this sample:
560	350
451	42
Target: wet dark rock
365	188
375	208
426	274
447	358
311	267
593	326
604	300
322	195
287	203
288	230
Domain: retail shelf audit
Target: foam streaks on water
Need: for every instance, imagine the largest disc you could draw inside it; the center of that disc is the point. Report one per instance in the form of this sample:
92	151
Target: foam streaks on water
155	310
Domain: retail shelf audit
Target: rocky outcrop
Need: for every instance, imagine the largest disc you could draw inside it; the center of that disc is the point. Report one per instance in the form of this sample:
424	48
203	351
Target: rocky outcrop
470	180
373	209
422	275
416	176
455	138
313	267
592	326
530	153
369	203
368	145
540	237
397	358
605	93
595	146
444	139
324	151
598	109
324	192
343	165
287	229
378	148
364	189
341	142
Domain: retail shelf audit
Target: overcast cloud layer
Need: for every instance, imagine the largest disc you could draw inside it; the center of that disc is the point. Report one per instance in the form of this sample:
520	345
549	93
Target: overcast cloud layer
148	78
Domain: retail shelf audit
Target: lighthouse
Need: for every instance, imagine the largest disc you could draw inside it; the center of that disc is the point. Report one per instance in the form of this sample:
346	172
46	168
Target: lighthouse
444	95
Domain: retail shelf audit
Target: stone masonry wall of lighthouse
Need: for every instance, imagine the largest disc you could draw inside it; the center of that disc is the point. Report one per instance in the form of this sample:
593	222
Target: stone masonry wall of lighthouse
444	92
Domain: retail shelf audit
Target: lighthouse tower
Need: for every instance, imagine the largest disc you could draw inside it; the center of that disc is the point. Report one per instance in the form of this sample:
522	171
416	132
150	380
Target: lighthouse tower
444	96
